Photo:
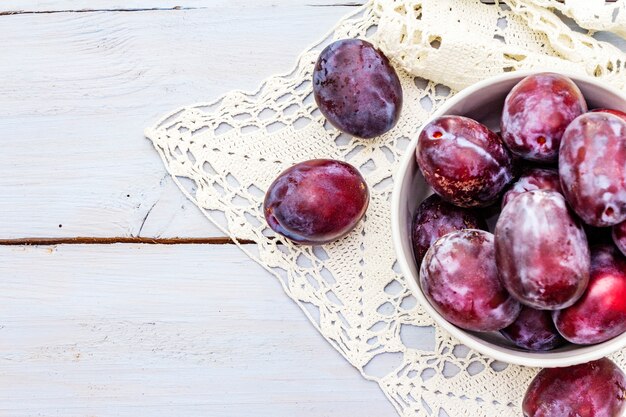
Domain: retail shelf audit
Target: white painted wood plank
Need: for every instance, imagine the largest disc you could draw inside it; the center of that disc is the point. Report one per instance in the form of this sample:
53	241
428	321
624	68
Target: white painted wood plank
81	5
78	89
152	330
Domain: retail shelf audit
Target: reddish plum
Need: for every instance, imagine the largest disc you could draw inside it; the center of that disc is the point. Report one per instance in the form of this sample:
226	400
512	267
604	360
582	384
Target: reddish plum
460	279
533	179
614	112
533	330
316	202
435	218
541	251
600	314
592	167
536	113
593	389
463	161
357	89
619	236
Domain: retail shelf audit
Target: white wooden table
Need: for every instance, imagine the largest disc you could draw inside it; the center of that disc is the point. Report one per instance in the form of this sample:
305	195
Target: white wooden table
118	298
93	322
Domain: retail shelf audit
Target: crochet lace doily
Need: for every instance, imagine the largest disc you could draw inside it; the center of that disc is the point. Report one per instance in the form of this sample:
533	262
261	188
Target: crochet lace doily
225	154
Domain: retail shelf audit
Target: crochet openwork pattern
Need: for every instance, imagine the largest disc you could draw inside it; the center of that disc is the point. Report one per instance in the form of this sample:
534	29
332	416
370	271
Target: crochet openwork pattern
224	155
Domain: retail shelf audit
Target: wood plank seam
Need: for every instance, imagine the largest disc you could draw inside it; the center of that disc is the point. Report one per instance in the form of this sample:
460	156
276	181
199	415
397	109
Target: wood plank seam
46	241
152	9
349	4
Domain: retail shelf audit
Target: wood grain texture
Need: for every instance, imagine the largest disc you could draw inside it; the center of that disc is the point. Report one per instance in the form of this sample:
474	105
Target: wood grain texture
78	89
143	330
111	240
152	330
62	6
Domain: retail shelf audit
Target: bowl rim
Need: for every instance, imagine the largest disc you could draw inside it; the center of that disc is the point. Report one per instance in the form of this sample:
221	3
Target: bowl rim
584	353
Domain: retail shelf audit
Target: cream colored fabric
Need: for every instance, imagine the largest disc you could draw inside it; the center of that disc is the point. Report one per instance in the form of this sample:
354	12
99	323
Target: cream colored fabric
225	154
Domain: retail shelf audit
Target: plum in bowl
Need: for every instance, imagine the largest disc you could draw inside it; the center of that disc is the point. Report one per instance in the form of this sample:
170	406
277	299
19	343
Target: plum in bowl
484	103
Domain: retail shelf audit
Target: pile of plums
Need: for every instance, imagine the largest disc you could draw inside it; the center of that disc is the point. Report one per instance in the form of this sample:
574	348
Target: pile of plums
553	271
321	200
537	280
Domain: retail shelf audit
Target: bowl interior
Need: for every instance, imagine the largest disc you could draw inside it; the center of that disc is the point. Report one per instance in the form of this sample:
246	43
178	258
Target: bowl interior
483	102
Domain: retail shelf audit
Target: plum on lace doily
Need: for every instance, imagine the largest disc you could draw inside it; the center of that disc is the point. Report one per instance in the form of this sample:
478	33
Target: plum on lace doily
224	154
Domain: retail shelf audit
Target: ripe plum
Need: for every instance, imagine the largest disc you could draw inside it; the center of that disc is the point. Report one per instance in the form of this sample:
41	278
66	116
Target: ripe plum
592	167
533	330
460	279
541	251
435	218
316	201
463	161
600	314
357	89
593	389
536	113
533	179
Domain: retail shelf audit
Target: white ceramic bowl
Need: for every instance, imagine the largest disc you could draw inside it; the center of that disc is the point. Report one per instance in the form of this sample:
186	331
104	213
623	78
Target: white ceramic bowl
483	101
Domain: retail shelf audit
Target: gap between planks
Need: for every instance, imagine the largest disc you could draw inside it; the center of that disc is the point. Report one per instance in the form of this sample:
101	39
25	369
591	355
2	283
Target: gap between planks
349	4
149	9
46	241
176	8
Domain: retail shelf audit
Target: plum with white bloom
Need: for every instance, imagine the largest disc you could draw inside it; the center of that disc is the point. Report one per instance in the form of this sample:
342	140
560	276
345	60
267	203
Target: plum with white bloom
357	89
541	251
460	280
592	167
436	218
533	179
536	113
593	389
534	330
463	161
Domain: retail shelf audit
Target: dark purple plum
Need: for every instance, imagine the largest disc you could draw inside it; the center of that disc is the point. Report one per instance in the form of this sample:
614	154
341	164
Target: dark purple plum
619	236
536	113
533	179
600	314
542	251
357	89
435	218
463	161
614	112
592	167
316	202
460	280
593	389
534	330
